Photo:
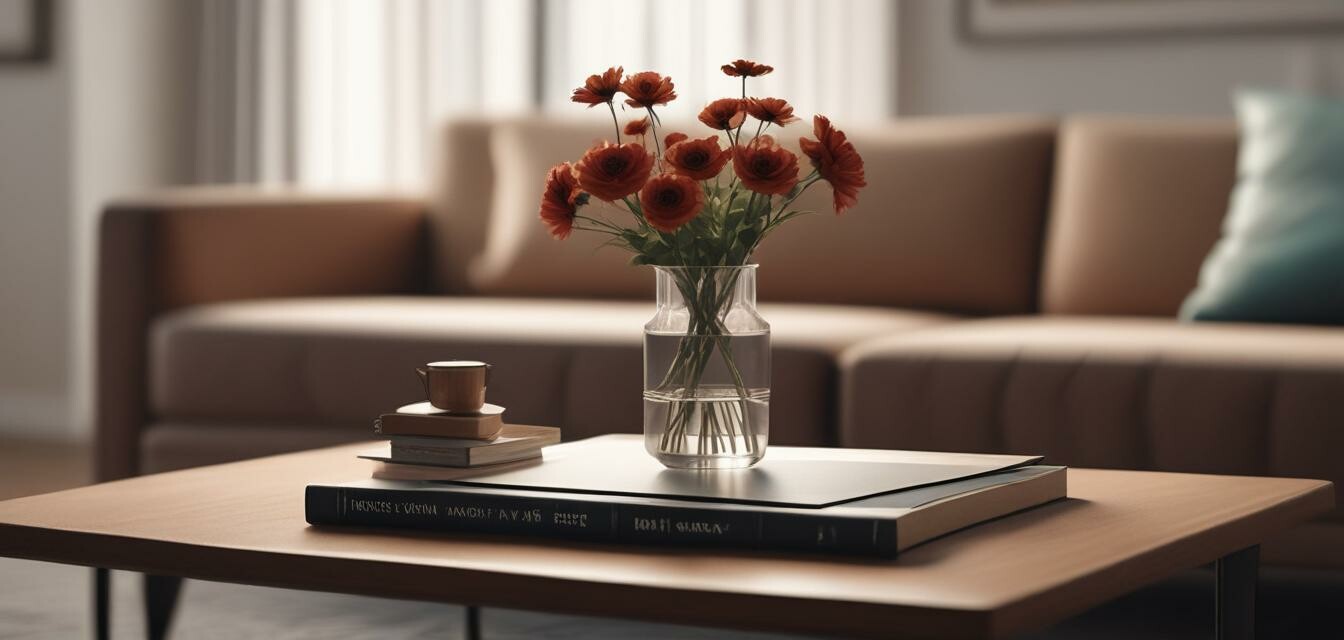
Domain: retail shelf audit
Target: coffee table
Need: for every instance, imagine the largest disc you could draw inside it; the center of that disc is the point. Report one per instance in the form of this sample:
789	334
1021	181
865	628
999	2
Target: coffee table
1118	531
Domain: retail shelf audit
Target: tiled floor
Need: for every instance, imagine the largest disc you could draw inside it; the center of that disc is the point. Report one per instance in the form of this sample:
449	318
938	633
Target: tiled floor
41	600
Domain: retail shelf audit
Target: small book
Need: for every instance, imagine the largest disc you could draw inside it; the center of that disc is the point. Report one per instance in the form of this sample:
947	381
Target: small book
514	442
424	419
399	471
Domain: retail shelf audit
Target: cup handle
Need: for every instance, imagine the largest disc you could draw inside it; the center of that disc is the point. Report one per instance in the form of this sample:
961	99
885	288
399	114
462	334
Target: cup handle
487	374
424	379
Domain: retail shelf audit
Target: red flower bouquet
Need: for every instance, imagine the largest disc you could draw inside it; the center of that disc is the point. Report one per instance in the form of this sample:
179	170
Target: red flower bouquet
697	208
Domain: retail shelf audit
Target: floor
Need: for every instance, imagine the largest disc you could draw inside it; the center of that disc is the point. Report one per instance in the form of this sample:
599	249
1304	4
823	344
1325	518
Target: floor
42	600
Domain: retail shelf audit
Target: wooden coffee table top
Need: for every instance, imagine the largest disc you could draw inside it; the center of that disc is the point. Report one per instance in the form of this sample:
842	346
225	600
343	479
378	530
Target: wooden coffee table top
243	522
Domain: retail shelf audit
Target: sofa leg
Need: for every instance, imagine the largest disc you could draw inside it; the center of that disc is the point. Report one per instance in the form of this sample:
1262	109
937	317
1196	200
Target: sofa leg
160	599
102	604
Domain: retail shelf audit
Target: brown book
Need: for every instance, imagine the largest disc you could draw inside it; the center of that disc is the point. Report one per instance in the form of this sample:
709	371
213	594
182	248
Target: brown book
423	419
515	442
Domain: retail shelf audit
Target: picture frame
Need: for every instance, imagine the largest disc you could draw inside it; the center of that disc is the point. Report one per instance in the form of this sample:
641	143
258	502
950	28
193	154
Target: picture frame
1037	20
26	31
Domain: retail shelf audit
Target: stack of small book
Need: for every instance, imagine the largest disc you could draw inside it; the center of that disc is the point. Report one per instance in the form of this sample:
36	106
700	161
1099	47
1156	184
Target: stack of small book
423	440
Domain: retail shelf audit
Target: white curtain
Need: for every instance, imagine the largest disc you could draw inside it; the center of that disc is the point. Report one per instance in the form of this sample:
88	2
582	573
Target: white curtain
351	92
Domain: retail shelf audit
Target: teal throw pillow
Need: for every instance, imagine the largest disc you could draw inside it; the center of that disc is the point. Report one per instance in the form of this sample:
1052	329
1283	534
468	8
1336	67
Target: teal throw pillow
1281	256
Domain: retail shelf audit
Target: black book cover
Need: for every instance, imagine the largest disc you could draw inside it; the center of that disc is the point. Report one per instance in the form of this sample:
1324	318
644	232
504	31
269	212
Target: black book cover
865	526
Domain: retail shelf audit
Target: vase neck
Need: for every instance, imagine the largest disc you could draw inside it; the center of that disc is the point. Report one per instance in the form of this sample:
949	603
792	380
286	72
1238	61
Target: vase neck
724	287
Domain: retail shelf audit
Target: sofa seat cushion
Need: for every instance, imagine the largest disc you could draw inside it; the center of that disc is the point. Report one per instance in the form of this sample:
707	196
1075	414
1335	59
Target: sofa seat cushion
574	364
1134	393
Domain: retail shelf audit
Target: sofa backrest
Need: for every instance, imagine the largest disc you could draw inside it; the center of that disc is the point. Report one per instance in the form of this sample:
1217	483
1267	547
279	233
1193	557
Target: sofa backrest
1138	203
952	218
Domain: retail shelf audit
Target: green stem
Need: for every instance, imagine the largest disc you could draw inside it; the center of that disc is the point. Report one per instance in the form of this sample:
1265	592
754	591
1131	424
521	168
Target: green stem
614	121
705	297
657	144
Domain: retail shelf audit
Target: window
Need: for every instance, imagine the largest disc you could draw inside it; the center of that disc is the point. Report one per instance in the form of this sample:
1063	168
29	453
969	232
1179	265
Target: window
351	92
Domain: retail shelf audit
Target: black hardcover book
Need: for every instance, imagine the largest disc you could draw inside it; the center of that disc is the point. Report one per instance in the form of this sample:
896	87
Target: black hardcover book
874	525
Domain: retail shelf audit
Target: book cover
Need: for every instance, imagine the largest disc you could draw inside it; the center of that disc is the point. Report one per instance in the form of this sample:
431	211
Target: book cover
878	526
862	511
787	477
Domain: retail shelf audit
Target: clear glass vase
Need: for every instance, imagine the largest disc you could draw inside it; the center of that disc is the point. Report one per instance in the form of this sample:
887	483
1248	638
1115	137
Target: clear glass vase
707	370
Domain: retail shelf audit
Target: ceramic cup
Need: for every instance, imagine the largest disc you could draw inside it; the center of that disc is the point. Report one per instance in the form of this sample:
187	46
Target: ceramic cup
456	386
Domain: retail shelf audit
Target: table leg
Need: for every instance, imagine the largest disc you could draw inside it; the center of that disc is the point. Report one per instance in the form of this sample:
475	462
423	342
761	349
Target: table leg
160	600
1237	582
473	630
102	598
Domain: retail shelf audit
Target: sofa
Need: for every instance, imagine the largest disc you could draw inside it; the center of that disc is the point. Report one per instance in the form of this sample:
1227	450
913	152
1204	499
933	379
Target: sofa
1005	284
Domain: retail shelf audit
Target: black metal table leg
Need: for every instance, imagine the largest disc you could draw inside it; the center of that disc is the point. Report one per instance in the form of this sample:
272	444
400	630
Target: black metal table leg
161	594
1237	582
102	597
473	631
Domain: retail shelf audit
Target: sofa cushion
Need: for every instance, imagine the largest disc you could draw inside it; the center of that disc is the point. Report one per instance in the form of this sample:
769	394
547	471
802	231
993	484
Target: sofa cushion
574	364
520	257
951	220
1133	393
1137	205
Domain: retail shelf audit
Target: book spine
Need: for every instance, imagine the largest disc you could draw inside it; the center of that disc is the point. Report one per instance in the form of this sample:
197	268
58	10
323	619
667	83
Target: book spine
741	528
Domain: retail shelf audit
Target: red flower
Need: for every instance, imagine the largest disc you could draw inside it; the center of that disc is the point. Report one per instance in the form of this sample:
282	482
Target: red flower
648	88
723	114
836	161
613	171
746	69
673	138
637	127
772	110
669	201
561	200
599	89
700	159
765	167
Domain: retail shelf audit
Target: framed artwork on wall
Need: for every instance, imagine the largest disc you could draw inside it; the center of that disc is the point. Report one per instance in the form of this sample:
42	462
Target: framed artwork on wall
1009	20
25	31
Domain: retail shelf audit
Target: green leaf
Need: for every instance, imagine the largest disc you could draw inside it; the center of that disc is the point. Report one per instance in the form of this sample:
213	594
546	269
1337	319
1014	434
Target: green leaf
733	220
685	237
658	253
748	236
636	240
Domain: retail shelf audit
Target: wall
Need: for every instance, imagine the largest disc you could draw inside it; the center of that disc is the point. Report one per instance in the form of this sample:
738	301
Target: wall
131	96
940	73
103	119
36	198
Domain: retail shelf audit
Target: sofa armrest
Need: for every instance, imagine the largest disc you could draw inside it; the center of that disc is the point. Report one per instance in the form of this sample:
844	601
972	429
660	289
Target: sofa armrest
201	245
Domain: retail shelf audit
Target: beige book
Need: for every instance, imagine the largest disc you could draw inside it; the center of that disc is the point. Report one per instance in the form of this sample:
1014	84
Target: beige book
514	442
423	419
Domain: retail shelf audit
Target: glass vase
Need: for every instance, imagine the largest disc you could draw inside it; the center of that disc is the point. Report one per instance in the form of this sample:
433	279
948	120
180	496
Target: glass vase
706	370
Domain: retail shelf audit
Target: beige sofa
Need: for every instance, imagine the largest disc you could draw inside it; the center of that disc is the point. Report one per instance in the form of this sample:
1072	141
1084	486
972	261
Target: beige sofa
1005	284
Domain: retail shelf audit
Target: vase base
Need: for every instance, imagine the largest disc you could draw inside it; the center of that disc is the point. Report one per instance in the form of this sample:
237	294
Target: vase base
692	461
